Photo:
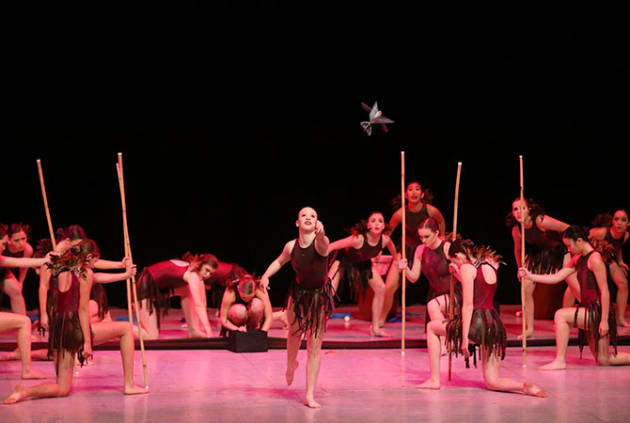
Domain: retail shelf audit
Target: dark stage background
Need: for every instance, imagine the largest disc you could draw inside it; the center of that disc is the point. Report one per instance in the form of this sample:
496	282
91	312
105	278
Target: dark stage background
233	115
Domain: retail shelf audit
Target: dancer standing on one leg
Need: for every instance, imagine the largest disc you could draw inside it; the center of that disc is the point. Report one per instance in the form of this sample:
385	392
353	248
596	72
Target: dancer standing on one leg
310	300
430	258
477	320
418	209
71	334
594	316
545	251
355	263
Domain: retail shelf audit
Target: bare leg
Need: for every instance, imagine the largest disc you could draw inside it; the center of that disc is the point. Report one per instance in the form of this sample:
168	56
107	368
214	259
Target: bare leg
314	349
10	321
491	365
282	316
59	389
294	339
334	275
378	286
563	319
621	280
392	283
529	308
13	288
237	314
436	309
147	322
255	312
435	329
103	332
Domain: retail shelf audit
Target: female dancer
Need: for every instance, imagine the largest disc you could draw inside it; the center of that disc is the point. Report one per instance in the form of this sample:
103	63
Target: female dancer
545	251
245	306
70	332
13	279
184	278
477	320
418	209
355	262
593	316
614	230
19	322
310	300
430	258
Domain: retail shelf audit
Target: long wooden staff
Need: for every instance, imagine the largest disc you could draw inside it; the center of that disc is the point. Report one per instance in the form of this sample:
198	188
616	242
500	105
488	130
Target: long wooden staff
451	302
403	248
121	183
522	205
43	186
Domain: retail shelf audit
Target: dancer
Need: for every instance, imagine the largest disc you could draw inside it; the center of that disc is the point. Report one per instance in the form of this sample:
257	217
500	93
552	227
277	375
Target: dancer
184	278
476	320
418	209
13	278
544	248
310	300
355	263
430	258
71	334
614	230
15	321
245	306
593	316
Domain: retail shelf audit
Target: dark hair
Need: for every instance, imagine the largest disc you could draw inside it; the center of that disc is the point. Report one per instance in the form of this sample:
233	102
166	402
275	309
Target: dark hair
44	246
248	284
535	210
604	220
427	198
198	260
475	253
429	223
72	232
4	230
361	227
15	228
75	259
576	232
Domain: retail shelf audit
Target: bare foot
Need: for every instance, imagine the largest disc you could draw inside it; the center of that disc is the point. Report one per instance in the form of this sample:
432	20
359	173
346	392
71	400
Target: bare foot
528	334
135	390
33	374
624	323
15	355
534	390
290	372
18	394
311	403
554	365
378	332
429	384
195	334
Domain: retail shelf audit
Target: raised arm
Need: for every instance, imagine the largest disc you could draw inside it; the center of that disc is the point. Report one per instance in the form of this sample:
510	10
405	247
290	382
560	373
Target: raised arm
277	264
351	241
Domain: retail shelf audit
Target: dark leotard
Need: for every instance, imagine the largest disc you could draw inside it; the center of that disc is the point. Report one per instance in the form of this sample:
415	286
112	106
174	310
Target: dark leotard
158	283
356	264
435	269
545	250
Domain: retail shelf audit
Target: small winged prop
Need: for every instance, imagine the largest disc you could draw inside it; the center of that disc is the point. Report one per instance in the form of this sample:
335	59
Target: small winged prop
376	116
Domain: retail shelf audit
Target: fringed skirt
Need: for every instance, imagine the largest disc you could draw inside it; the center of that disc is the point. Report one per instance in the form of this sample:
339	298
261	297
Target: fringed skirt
66	336
357	274
311	308
544	262
159	300
486	330
592	318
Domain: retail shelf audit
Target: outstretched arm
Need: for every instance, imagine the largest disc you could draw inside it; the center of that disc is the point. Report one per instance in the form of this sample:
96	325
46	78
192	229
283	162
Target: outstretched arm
22	261
351	241
559	276
108	264
115	277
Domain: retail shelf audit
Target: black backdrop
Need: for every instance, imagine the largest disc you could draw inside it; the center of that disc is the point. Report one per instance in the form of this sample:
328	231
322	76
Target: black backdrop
233	115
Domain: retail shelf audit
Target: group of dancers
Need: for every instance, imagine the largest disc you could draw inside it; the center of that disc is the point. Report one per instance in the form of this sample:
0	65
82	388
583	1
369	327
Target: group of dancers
73	303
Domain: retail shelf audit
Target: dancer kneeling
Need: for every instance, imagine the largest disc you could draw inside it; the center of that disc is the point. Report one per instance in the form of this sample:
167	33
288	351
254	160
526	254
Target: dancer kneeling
70	332
245	304
476	320
594	317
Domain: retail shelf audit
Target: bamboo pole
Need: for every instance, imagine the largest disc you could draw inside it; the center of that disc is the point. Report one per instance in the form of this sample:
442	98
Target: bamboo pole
121	183
404	250
48	219
451	303
523	308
